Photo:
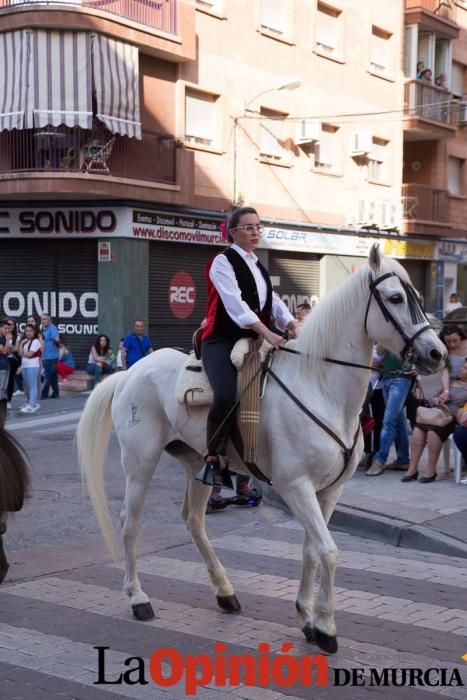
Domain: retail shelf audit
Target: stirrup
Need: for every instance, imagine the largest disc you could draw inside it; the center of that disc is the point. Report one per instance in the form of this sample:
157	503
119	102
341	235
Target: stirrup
214	474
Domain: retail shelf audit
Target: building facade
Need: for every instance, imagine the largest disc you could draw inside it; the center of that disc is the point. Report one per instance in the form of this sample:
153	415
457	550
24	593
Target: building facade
129	129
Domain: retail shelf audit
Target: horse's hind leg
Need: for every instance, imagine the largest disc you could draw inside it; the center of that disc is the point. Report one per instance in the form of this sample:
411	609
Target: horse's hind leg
193	512
318	616
138	473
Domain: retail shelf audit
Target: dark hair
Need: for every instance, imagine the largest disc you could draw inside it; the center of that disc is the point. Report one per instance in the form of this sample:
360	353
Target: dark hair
451	330
97	346
234	217
305	306
34	329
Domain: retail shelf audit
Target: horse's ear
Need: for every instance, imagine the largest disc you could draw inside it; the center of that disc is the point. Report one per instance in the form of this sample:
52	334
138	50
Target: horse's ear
374	258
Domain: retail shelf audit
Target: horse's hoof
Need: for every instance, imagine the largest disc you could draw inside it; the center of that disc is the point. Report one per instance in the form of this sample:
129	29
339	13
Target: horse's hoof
143	611
326	642
309	632
229	603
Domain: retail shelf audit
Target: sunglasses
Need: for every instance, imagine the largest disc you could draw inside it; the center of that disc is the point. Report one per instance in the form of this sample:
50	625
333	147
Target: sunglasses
251	229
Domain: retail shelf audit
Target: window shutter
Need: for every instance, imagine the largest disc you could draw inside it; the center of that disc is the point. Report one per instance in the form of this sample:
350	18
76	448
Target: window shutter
454	175
457	79
271	134
326	29
378	51
200	116
274	15
325	150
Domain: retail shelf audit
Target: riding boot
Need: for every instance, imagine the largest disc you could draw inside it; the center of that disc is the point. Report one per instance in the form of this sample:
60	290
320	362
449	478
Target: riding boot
216	473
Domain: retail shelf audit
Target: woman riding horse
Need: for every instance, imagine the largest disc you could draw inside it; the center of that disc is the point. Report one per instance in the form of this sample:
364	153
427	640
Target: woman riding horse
241	304
14	478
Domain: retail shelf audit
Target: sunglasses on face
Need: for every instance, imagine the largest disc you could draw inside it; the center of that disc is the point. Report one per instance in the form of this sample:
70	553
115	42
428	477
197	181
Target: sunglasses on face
251	229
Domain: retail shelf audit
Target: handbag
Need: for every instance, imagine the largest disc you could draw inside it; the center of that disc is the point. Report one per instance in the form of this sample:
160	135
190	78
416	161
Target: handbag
438	416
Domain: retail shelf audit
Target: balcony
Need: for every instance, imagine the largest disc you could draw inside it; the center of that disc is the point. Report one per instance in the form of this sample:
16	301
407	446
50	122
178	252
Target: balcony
433	15
430	113
425	209
81	162
162	28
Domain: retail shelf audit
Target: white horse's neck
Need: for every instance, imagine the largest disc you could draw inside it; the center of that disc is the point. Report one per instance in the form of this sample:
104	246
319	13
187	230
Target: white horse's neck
336	329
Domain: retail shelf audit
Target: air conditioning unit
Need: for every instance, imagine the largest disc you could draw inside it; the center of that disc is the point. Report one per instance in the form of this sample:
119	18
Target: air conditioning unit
308	131
462	117
362	143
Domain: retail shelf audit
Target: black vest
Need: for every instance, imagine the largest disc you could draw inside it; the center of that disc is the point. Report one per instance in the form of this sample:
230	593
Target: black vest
223	324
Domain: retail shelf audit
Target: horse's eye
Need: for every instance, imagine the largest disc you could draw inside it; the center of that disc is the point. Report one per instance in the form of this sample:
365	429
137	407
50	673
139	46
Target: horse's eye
396	299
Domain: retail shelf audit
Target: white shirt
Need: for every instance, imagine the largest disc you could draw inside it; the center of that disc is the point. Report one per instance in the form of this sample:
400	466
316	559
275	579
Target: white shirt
34	346
452	306
223	278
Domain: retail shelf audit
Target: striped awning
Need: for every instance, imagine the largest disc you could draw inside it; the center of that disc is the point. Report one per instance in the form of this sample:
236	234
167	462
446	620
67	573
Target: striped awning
59	79
116	84
13	68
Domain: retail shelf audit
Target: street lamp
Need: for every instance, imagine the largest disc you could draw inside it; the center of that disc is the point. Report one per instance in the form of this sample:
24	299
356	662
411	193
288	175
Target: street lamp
288	84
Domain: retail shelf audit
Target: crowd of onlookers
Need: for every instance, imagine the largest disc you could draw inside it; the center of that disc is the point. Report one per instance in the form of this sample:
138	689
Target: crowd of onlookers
427	74
35	361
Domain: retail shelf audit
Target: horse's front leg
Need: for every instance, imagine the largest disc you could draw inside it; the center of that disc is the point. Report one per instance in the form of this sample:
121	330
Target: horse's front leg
318	617
304	601
197	499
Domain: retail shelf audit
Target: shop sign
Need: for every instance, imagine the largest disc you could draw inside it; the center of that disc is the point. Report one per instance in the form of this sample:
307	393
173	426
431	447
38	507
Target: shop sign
62	222
155	226
338	244
182	295
453	251
104	251
64	307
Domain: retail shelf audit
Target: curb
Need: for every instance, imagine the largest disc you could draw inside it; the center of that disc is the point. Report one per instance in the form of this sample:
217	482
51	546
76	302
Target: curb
399	533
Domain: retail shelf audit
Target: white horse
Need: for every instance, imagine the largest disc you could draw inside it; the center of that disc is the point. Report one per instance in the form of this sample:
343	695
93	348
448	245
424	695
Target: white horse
305	464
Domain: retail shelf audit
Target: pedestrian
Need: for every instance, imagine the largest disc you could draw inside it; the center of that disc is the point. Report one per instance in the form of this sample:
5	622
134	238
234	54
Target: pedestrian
454	303
100	358
5	340
119	362
302	312
66	364
396	383
136	345
50	357
14	359
30	351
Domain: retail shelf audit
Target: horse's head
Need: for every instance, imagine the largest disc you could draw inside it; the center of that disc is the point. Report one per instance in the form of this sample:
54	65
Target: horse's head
395	319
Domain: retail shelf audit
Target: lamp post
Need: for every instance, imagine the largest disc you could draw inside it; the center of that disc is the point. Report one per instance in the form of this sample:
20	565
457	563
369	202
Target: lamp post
289	84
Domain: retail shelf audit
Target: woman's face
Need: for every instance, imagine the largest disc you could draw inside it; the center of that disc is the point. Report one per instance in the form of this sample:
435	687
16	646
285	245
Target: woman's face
31	320
453	342
102	341
29	333
246	234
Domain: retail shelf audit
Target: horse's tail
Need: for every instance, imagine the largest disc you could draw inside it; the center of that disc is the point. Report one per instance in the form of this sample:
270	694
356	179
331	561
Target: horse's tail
14	473
93	437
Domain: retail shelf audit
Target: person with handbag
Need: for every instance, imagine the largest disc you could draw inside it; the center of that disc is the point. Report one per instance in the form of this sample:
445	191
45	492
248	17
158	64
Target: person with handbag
135	346
433	427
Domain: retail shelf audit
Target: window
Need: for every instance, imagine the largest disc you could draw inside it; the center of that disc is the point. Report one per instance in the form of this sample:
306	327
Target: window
200	118
457	80
377	160
380	50
325	149
455	175
274	16
328	30
271	137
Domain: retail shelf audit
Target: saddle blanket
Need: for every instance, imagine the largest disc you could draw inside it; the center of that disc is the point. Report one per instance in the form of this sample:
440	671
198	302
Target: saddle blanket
192	387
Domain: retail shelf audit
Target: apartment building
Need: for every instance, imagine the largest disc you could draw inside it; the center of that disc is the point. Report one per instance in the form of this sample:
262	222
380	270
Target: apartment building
129	127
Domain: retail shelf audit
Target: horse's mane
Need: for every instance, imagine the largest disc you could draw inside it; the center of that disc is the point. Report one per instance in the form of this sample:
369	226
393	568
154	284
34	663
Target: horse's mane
322	332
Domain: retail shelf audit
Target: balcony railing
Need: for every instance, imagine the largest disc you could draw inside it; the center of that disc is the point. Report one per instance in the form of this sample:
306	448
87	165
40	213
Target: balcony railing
61	150
440	9
421	202
161	14
427	101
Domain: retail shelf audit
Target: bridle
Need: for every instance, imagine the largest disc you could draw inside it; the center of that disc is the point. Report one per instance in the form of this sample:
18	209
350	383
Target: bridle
408	354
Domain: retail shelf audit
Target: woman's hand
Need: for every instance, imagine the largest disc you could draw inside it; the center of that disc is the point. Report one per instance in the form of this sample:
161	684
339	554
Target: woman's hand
277	341
443	397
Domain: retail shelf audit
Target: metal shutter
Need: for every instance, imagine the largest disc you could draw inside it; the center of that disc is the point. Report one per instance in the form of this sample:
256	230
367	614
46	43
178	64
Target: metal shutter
298	275
165	261
53	266
416	270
